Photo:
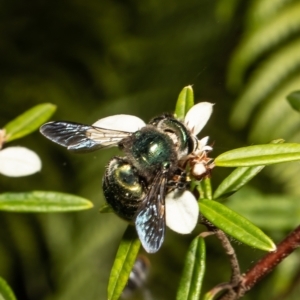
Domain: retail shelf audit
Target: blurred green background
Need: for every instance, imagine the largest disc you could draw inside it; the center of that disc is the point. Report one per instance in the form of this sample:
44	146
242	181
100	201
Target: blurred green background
98	58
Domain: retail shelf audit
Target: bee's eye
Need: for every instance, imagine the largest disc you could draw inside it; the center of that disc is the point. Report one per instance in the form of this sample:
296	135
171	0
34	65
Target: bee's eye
122	188
178	133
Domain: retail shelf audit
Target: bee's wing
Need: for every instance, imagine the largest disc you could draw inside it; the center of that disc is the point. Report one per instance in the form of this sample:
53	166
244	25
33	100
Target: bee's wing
106	132
150	220
81	138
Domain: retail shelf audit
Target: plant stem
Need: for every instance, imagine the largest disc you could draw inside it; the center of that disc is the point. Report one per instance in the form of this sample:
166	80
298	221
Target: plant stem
229	250
265	265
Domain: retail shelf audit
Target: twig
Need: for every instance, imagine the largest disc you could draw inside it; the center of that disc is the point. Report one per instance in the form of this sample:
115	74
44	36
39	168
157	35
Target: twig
266	264
236	273
235	268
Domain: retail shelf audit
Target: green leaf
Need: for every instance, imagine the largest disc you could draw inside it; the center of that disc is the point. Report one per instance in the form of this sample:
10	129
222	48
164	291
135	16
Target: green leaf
185	102
272	212
225	10
294	100
193	272
257	42
238	178
203	187
123	264
258	155
206	188
41	201
208	296
235	225
105	208
29	121
6	292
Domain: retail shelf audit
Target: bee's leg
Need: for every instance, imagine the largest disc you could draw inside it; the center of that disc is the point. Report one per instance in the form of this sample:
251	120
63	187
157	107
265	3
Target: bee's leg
179	181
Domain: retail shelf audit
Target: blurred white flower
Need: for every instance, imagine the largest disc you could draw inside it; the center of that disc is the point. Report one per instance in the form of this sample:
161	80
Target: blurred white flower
17	161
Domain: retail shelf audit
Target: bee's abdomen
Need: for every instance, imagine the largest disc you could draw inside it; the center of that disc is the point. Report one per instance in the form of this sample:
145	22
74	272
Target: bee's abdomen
123	188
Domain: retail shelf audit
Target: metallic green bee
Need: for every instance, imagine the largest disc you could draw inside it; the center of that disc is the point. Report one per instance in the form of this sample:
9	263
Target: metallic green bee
148	186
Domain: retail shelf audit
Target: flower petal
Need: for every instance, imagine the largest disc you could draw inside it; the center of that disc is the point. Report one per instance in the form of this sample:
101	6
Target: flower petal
126	123
202	145
19	161
203	142
197	116
182	211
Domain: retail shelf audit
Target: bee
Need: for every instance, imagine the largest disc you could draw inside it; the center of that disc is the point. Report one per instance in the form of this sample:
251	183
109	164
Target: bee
138	277
137	184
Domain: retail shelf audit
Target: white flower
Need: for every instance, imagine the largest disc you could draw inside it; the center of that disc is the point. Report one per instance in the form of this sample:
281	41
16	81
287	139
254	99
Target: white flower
182	209
127	123
197	116
17	161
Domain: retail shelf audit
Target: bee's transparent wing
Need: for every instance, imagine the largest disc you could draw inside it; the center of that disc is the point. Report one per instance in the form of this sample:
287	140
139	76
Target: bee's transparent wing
150	220
104	133
81	138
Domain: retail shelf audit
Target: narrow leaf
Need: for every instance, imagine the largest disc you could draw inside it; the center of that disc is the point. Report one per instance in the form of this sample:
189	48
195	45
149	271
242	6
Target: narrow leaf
6	292
237	179
235	225
208	296
123	264
41	201
258	155
206	188
294	100
193	272
185	102
272	212
105	208
29	121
